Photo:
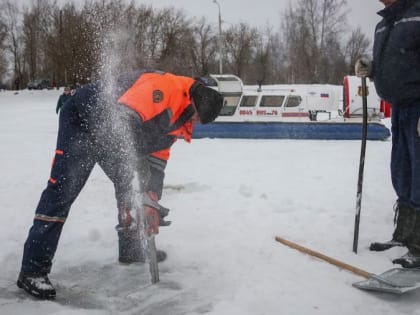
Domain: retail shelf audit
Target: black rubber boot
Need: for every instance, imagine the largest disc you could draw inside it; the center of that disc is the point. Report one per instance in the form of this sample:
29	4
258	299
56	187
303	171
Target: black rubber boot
412	258
130	247
37	285
405	224
405	220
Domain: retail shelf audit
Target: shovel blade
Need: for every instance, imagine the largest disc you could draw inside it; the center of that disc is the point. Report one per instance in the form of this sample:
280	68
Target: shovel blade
396	281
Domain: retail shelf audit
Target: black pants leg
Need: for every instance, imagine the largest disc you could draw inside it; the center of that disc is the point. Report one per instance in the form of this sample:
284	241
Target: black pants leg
72	165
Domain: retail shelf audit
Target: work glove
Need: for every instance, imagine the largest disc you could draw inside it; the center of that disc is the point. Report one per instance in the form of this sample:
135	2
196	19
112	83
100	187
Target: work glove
154	213
363	67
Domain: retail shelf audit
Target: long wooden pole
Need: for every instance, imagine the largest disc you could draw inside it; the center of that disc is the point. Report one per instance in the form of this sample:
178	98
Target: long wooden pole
335	262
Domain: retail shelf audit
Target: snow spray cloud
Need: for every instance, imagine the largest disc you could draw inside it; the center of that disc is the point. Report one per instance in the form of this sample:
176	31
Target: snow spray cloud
111	38
112	65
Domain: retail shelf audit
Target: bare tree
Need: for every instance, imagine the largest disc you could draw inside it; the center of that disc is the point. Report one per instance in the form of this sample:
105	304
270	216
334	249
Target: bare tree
11	19
70	44
3	61
310	29
137	25
296	34
239	44
278	59
102	37
176	40
36	26
204	48
263	61
357	45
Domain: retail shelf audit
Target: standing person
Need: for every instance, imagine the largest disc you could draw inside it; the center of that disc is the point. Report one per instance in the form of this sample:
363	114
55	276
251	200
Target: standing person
396	72
63	98
17	84
128	131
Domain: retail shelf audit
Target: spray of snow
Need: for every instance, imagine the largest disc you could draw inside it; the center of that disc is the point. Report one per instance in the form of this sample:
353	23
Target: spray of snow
111	67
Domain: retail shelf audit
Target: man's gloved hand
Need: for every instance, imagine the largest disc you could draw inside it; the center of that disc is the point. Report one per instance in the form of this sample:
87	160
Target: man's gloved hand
363	67
152	220
154	213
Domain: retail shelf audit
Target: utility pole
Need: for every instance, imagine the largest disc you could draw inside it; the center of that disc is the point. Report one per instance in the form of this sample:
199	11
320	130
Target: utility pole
220	39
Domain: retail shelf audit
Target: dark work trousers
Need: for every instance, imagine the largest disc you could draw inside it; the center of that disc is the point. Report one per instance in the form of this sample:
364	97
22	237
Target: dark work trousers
85	137
405	157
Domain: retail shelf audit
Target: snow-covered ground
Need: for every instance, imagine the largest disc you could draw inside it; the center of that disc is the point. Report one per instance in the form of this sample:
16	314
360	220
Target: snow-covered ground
228	201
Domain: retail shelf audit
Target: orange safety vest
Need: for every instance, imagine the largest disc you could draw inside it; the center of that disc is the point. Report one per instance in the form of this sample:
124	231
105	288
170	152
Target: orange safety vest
154	93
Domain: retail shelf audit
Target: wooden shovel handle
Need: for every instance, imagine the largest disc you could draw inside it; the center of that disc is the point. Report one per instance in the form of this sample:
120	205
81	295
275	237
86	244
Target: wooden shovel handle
340	264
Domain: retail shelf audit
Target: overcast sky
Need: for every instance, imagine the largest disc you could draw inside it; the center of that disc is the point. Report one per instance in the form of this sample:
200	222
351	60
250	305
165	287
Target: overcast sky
260	12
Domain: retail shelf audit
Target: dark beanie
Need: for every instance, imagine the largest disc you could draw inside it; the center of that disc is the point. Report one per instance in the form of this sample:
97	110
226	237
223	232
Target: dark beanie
208	102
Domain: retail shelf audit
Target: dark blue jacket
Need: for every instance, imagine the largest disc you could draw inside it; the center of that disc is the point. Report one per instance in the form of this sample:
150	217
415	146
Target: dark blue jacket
61	100
396	53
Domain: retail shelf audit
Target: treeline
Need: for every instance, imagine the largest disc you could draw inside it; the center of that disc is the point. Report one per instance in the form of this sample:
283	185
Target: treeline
78	43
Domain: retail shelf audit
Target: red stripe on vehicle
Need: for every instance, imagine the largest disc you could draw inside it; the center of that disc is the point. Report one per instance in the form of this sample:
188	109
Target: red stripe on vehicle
295	114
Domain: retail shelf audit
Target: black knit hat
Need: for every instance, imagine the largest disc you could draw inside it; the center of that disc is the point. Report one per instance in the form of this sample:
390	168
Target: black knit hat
208	102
